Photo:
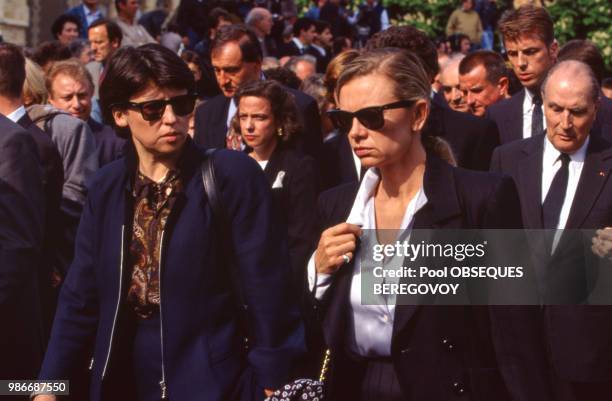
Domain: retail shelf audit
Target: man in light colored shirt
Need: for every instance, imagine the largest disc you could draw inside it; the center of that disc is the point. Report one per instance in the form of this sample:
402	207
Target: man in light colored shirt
134	34
529	40
563	183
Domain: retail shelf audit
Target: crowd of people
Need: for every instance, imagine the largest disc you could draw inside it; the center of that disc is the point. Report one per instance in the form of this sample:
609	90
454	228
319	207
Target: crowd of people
235	152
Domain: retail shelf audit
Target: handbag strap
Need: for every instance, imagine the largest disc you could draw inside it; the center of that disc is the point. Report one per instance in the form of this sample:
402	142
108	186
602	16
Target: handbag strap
221	222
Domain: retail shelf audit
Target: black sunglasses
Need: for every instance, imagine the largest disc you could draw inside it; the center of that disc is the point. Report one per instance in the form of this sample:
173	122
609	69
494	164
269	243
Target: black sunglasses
370	117
153	110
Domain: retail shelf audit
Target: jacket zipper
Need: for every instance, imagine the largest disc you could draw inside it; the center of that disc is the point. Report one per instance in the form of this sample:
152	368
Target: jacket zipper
162	383
110	343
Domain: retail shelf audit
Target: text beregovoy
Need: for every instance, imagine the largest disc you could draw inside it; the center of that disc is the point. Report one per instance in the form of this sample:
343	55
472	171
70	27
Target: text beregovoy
414	289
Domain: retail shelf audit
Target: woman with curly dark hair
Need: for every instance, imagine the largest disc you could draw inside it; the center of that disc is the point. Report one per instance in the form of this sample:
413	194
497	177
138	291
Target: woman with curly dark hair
267	121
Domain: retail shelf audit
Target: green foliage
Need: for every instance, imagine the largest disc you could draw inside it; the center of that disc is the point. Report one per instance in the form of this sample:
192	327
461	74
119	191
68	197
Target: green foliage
584	19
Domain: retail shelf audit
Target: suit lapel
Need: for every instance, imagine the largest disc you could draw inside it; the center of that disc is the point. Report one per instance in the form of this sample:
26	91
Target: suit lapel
595	172
275	164
530	178
441	211
514	118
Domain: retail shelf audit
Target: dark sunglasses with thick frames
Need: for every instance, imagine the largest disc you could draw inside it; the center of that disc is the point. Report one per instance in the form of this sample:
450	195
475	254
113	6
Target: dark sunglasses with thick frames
370	117
153	110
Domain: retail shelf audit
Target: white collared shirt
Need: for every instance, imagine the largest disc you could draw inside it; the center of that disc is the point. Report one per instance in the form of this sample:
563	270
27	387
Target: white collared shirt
17	114
371	336
92	16
528	107
551	164
320	49
299	45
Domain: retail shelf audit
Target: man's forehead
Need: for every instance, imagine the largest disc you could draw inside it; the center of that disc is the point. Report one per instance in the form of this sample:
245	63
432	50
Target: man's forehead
525	41
226	55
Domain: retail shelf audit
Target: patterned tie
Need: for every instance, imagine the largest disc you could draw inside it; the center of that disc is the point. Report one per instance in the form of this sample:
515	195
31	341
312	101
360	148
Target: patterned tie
551	208
537	125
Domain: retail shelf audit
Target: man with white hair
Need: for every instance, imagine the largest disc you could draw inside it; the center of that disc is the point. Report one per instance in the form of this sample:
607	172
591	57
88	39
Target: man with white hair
260	21
303	66
449	78
563	183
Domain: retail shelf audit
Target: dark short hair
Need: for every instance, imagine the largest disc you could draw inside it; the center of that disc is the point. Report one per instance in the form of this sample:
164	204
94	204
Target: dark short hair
338	44
190	56
527	20
131	70
12	70
411	39
215	16
607	83
492	62
321	26
113	31
284	76
282	104
585	51
48	52
58	24
455	41
246	39
302	24
117	4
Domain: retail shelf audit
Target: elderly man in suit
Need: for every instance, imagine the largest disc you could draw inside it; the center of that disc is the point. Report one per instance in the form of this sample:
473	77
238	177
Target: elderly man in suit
563	182
236	59
22	210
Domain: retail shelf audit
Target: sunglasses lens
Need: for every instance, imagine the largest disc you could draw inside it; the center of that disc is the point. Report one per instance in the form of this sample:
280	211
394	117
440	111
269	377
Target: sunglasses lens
371	118
342	120
154	110
183	105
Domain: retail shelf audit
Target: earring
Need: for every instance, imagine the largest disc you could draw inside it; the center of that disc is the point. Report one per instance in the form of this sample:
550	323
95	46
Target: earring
280	132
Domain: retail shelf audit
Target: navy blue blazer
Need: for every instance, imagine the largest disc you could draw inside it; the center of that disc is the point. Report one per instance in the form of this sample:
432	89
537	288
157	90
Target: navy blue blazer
202	345
578	336
78	12
22	219
211	123
439	352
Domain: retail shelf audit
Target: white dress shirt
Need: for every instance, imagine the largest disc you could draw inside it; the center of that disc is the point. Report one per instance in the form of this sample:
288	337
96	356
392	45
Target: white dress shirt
371	336
320	49
17	114
299	45
528	107
92	16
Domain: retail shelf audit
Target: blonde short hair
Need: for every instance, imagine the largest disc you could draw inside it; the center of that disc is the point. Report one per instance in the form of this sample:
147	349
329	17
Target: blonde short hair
34	88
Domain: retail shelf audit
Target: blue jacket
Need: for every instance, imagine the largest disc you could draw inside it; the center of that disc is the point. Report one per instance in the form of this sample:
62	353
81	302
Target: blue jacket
203	354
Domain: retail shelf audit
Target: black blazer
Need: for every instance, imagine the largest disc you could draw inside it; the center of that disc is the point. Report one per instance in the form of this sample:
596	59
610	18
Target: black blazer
603	121
293	179
211	123
337	163
578	337
508	115
289	49
471	138
439	352
322	60
22	208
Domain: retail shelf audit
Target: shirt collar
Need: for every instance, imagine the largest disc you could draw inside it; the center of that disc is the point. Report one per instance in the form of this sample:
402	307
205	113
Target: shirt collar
320	49
89	11
551	154
16	115
299	44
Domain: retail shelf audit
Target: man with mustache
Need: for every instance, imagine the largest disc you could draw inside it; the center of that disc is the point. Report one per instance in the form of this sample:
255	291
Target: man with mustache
563	183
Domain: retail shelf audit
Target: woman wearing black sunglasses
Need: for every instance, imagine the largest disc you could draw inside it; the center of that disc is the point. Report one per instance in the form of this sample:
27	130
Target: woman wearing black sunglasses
390	351
150	303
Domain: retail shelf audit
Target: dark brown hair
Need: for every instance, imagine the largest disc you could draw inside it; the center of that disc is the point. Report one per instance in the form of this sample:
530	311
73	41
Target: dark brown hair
412	40
282	104
527	20
334	69
131	70
58	24
585	51
12	70
492	62
246	39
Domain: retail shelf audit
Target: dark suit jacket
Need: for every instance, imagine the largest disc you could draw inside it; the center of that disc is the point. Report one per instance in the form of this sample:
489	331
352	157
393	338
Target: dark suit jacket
202	341
508	115
438	352
471	138
337	164
22	213
578	337
294	199
289	49
109	145
211	123
322	60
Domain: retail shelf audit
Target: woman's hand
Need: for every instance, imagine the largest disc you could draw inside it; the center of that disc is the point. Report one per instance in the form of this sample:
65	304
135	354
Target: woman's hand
336	242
